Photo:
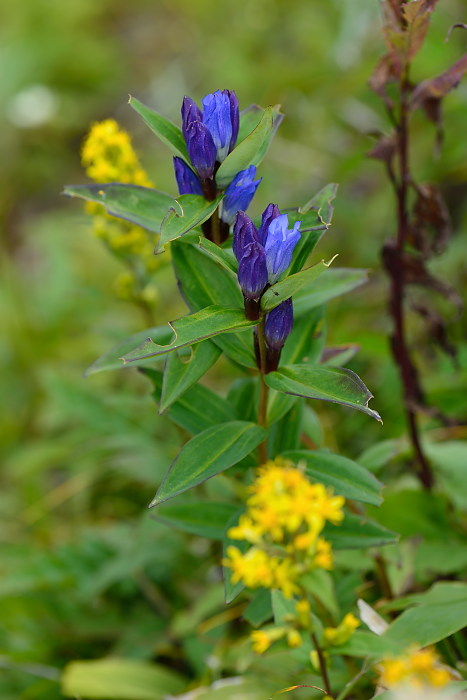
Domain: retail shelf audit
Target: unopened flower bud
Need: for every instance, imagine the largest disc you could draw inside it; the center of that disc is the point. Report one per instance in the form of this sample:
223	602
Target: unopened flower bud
239	193
201	149
252	271
187	181
278	325
220	115
190	113
279	246
269	214
244	233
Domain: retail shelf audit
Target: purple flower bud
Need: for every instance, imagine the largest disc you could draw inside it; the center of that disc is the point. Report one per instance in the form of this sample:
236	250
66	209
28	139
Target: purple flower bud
187	181
278	325
239	193
244	233
218	109
269	214
201	149
190	113
279	246
252	271
234	117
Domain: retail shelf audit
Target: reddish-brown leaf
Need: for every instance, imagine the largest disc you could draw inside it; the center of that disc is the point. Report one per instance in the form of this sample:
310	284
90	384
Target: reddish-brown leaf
437	88
431	225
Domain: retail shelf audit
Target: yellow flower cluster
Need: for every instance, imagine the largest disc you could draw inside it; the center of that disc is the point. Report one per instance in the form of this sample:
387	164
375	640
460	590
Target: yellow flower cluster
285	516
417	668
333	636
108	156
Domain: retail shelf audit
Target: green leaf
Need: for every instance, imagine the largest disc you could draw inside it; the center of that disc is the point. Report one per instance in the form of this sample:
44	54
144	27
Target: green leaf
428	624
120	679
192	329
357	532
291	285
381	453
223	256
207	454
285	433
202	518
203	282
363	643
320	584
283	608
335	282
259	609
189	210
315	214
334	384
140	205
164	129
346	477
251	117
304	345
250	151
449	459
113	358
198	409
180	376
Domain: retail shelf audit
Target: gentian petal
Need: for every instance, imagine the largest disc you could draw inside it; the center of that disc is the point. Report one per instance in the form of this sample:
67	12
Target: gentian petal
216	116
269	214
201	149
252	271
278	325
279	246
239	193
234	117
190	113
244	233
187	181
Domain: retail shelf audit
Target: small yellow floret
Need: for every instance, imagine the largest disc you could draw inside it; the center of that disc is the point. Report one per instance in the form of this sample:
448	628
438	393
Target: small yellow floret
417	668
294	638
342	633
261	641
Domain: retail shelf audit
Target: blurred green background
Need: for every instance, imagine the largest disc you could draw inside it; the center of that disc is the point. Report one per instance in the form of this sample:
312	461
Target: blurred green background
84	571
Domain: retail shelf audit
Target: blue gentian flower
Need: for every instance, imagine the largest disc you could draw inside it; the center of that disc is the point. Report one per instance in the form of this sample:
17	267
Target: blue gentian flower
239	194
261	263
252	271
244	233
220	115
279	246
190	113
269	214
187	181
211	133
278	325
201	149
279	241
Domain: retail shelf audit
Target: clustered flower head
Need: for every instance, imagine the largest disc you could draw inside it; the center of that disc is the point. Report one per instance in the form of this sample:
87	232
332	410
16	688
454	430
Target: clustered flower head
210	135
108	156
417	668
285	516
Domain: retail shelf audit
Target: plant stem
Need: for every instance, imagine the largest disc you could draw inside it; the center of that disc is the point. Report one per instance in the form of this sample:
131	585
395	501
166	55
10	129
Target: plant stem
263	390
215	228
322	665
382	574
395	268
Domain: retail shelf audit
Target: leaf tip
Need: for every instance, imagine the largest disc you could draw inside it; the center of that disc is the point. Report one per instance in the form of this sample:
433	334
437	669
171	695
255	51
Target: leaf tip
329	263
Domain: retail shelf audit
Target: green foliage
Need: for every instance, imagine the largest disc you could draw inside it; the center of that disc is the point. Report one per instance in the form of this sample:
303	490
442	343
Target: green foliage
86	573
